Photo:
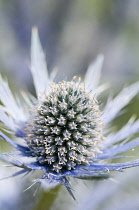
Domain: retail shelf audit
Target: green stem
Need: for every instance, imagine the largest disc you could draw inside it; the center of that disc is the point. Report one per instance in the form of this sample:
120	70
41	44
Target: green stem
46	199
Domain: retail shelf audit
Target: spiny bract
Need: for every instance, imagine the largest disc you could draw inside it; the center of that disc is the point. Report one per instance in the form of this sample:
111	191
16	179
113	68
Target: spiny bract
64	130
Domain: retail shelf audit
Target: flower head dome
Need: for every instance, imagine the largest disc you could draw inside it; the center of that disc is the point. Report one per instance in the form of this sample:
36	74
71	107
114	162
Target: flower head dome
63	130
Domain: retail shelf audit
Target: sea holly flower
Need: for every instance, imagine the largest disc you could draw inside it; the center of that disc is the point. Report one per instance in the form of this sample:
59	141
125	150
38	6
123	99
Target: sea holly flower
63	131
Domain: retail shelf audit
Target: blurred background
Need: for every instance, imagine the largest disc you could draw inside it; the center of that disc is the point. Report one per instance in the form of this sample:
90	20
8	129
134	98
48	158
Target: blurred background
72	33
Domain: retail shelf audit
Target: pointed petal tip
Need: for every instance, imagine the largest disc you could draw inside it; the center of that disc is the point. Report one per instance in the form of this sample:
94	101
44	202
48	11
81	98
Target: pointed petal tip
34	34
114	106
93	73
35	37
97	63
100	58
38	64
34	29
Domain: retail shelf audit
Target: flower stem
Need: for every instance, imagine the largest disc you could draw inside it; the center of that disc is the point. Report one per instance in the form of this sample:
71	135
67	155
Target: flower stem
46	199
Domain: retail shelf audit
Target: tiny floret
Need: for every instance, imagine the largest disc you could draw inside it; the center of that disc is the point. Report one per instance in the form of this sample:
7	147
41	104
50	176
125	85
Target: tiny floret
64	131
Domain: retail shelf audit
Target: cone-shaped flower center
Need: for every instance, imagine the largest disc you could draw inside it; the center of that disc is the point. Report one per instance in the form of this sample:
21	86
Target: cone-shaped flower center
64	131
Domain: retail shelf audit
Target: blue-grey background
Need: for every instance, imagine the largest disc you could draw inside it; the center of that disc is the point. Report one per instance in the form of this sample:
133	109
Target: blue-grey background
72	33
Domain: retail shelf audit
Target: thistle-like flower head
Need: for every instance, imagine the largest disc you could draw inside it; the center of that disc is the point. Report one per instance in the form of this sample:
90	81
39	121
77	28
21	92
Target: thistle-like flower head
63	129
